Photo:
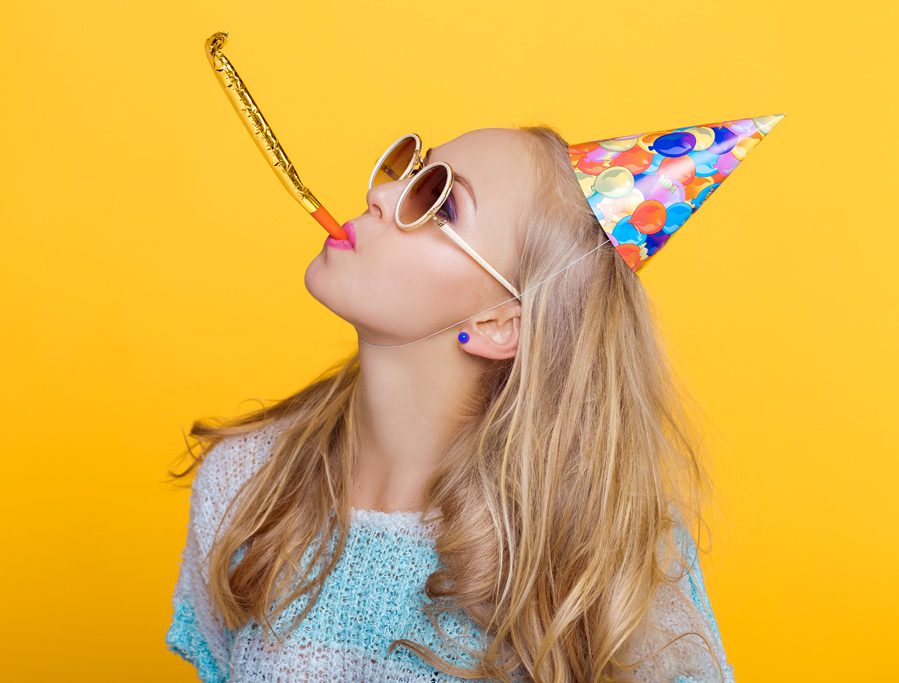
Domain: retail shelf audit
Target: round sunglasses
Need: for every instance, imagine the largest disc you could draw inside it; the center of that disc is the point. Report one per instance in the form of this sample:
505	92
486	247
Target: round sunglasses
423	198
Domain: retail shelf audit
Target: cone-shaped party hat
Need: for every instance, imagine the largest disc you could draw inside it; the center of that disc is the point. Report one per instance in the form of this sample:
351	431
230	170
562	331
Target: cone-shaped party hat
643	188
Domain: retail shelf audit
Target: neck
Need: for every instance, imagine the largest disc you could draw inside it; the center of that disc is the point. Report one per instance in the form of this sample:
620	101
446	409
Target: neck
410	405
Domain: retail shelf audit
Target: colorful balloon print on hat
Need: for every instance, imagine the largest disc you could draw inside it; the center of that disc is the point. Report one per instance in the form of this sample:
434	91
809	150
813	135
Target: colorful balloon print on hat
643	188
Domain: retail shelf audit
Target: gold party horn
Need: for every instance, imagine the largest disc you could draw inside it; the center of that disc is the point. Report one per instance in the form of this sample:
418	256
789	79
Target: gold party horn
265	139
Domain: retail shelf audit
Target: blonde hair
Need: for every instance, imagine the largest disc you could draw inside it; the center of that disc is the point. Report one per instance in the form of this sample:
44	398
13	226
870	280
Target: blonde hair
579	458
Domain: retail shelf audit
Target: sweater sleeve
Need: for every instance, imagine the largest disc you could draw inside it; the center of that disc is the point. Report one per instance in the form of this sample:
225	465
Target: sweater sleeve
196	632
681	609
692	585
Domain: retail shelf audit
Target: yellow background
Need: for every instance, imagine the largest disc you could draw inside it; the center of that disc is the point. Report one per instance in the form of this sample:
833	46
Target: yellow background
152	272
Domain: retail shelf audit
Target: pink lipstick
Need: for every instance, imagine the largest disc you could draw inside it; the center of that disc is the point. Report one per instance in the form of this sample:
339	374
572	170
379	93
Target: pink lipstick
347	244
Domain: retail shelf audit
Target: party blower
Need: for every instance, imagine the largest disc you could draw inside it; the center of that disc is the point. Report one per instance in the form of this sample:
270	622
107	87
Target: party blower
265	139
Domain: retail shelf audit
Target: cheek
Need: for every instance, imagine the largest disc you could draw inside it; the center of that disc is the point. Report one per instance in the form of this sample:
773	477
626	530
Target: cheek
403	285
421	277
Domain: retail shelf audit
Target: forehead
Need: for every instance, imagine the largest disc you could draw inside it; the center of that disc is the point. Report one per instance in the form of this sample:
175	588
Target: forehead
497	162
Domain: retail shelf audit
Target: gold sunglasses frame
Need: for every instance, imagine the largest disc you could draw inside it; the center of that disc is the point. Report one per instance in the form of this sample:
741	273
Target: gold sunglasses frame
416	163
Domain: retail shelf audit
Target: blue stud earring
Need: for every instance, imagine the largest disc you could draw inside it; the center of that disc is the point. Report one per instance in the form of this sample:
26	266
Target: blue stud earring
463	337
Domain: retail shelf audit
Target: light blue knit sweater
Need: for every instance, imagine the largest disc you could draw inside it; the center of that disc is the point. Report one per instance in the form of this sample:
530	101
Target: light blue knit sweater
374	596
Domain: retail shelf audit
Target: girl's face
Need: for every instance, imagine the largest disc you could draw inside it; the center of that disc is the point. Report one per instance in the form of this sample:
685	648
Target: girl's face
398	286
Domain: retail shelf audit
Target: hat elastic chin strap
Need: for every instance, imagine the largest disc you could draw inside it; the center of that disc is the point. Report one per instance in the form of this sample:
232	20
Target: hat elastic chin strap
534	286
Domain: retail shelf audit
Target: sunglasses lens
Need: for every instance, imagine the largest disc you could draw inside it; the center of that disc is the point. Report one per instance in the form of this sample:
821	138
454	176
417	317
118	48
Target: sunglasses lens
423	193
396	162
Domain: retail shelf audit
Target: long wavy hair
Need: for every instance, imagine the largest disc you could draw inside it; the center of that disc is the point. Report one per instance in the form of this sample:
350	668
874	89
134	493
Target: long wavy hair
579	457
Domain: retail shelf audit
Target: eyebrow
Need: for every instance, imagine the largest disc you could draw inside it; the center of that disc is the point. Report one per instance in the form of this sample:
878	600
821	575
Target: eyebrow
463	181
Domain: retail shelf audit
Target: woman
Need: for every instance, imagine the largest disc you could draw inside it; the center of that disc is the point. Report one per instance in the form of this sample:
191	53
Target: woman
503	498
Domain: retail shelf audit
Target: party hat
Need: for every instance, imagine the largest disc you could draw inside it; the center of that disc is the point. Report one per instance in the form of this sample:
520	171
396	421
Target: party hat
643	188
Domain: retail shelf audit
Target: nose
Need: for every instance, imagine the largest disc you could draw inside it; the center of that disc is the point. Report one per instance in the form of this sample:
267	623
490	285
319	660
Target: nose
374	202
383	197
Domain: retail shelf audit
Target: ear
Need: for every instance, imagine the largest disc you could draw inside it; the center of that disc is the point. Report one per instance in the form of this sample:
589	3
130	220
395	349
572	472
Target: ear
494	334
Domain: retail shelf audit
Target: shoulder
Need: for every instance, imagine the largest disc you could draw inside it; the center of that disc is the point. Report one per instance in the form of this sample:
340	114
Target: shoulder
225	468
679	639
682	608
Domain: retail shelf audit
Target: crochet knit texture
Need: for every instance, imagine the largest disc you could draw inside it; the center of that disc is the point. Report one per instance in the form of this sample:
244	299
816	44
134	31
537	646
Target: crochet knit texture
374	596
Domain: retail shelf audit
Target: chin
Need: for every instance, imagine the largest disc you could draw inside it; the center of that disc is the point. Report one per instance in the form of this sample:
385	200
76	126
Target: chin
321	287
315	280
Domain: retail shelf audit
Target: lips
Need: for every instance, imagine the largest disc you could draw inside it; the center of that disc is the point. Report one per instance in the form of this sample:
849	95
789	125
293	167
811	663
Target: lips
350	230
348	244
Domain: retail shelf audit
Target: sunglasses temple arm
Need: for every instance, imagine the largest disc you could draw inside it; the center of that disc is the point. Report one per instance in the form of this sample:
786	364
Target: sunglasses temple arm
453	235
